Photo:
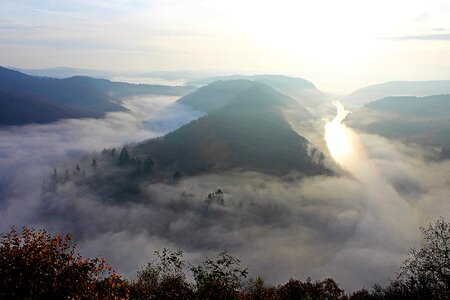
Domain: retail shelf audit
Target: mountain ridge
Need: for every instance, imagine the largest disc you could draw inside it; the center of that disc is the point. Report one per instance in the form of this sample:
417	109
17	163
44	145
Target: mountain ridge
420	120
248	132
53	99
396	88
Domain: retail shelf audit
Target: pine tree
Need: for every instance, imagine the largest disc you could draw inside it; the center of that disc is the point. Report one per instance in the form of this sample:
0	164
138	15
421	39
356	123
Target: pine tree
148	165
55	175
177	175
124	157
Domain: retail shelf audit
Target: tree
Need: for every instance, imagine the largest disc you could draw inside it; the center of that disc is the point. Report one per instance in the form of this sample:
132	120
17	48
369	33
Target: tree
256	289
148	165
37	265
362	294
325	289
176	176
124	156
162	279
427	270
94	164
220	278
55	175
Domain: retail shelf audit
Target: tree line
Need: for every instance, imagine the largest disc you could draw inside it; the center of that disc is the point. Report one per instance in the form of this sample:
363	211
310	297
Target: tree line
37	265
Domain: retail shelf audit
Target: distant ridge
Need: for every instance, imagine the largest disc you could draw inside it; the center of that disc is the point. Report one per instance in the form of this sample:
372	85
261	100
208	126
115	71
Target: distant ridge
31	99
396	88
267	79
64	72
216	94
300	89
418	120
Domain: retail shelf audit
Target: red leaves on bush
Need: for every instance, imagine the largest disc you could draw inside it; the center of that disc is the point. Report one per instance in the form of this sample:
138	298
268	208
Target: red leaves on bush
38	265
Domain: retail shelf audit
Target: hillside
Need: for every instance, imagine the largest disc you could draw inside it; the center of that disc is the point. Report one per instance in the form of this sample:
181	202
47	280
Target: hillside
300	89
248	132
275	79
31	99
21	109
421	120
396	88
216	94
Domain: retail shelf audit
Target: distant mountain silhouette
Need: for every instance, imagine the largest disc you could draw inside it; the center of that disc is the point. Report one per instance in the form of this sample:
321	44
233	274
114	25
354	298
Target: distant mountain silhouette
65	72
30	99
420	120
245	129
396	88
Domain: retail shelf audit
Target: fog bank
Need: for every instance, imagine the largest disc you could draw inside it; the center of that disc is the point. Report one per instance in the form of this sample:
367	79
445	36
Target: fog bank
356	227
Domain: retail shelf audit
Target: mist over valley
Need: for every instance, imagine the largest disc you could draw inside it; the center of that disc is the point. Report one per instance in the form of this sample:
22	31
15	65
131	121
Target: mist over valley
224	150
222	168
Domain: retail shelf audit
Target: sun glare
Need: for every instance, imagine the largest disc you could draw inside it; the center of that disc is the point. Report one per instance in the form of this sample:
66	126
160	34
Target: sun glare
337	136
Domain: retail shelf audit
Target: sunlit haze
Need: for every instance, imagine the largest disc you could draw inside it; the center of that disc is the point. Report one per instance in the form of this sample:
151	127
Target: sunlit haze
338	137
339	45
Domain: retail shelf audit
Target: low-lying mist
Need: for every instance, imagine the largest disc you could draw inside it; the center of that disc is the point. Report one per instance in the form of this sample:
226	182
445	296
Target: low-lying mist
356	229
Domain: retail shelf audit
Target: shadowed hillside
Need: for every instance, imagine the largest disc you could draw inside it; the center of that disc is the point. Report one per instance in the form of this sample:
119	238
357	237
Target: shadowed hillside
246	131
396	88
421	120
300	89
29	99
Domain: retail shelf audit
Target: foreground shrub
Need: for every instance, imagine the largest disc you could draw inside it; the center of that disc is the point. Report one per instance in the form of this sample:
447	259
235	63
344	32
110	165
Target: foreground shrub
163	278
426	273
219	279
326	289
256	289
38	265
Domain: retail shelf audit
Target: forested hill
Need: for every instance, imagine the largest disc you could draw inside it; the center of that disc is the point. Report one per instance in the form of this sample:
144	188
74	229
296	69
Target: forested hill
396	88
418	120
300	89
30	99
246	131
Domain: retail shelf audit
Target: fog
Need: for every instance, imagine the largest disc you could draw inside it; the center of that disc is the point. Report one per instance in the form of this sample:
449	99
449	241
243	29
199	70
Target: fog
149	80
29	153
356	226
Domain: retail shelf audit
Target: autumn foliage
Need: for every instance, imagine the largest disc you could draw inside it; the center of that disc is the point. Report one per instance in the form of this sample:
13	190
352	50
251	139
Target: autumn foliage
38	265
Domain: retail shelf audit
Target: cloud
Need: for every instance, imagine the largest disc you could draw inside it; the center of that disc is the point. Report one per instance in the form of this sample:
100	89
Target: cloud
421	37
354	228
29	153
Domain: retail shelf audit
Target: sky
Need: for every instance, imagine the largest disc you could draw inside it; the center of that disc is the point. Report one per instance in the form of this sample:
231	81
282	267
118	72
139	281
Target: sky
338	45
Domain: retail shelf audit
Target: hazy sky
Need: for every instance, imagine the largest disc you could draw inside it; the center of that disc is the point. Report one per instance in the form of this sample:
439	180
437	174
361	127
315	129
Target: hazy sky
339	45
